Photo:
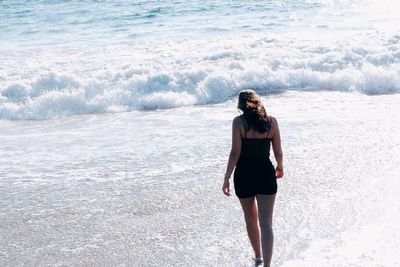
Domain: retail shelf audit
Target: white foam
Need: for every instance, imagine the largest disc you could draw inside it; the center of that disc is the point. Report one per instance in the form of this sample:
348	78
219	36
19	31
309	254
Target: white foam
124	182
169	74
372	244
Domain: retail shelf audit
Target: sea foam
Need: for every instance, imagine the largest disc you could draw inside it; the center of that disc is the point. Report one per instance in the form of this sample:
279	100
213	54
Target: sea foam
45	84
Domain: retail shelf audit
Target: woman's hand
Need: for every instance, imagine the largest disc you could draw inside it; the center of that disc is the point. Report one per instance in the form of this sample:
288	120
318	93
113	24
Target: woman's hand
279	172
226	187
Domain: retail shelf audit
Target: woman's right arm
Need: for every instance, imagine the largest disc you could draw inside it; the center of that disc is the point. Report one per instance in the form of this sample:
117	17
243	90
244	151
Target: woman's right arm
234	155
277	148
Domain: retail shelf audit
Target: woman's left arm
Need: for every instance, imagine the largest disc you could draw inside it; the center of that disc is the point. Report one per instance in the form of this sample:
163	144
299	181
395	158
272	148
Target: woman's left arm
277	148
233	155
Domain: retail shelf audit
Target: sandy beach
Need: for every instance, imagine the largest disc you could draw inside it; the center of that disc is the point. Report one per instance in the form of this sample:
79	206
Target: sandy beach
96	190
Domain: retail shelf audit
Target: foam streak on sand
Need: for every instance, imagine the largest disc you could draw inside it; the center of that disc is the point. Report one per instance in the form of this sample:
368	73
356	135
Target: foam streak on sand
119	188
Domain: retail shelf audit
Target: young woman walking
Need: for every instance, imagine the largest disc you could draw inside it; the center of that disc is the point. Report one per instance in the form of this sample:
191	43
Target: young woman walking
255	185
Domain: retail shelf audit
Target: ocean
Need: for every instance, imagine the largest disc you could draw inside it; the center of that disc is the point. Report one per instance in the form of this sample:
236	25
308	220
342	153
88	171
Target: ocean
115	120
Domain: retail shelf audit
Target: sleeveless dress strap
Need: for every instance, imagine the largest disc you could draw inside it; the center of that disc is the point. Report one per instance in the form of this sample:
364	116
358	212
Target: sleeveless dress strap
244	125
270	125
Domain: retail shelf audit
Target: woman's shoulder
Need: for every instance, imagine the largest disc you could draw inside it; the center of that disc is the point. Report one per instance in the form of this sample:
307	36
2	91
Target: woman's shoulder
238	120
272	118
238	117
274	121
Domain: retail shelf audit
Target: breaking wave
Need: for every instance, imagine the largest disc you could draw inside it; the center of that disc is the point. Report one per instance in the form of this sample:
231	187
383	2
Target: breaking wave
40	84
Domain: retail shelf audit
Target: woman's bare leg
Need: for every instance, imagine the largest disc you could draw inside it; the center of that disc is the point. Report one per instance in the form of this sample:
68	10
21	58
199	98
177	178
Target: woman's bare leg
251	218
265	205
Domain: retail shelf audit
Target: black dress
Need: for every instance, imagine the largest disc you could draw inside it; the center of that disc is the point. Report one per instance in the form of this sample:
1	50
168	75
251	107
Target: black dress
254	172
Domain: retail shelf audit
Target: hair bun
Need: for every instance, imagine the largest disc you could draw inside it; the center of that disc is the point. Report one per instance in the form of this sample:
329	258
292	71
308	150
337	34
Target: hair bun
253	110
253	104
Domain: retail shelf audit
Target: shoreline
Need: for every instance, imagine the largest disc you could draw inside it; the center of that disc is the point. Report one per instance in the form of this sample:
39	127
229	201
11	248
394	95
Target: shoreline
105	190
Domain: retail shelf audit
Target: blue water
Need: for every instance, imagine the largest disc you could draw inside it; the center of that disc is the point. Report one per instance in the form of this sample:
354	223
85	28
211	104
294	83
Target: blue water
62	58
98	22
27	23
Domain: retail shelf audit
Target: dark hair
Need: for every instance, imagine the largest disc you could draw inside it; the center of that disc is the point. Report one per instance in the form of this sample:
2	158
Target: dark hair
253	111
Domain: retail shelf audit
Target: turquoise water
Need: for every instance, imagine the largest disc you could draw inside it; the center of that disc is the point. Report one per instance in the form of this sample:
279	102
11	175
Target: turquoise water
66	22
42	23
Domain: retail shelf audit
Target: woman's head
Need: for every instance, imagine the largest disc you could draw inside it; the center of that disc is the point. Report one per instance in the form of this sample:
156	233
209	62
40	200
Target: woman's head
248	100
253	110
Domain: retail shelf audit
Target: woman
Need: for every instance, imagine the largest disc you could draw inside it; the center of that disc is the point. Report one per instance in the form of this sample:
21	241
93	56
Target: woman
255	176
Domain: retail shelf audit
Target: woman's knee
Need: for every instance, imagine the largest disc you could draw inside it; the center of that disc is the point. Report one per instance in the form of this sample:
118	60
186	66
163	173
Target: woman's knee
251	219
266	224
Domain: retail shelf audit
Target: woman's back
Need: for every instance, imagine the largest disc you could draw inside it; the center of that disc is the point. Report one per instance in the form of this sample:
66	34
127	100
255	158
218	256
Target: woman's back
255	144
